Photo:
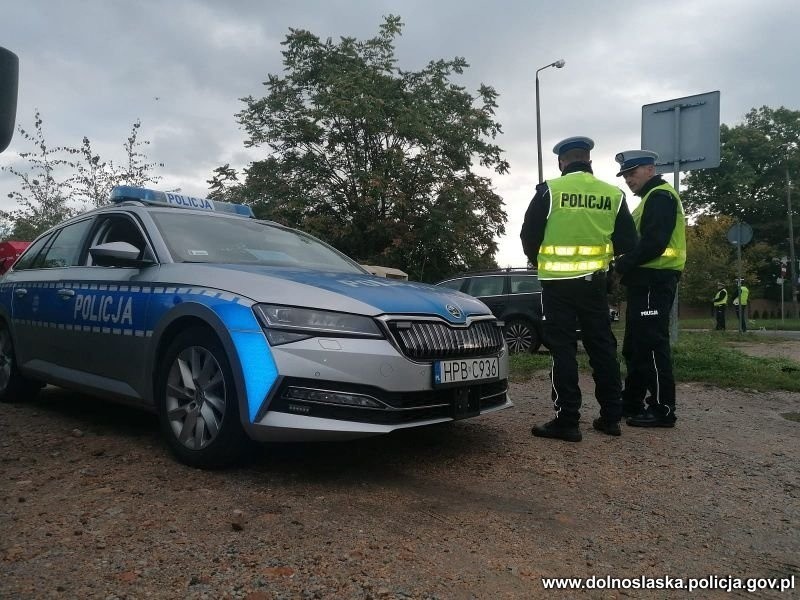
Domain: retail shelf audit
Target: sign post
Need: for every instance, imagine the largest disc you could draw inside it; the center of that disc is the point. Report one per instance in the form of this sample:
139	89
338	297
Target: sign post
739	234
684	132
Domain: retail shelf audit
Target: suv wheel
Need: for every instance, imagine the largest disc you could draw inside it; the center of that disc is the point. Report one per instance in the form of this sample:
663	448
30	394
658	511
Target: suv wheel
521	336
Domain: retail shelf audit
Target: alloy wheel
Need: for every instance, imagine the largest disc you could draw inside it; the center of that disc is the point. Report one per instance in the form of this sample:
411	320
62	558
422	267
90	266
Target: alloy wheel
196	397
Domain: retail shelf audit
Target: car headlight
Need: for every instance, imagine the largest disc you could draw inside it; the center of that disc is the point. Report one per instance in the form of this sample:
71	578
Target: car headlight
284	324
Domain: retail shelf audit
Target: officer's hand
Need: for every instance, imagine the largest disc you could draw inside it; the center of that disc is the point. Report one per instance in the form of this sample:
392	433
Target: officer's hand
622	265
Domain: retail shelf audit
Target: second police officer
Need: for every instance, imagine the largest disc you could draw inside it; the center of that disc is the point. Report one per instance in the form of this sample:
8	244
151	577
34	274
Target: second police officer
650	272
573	227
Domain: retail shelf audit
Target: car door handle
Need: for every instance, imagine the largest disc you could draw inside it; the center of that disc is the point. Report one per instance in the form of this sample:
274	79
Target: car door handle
20	292
66	294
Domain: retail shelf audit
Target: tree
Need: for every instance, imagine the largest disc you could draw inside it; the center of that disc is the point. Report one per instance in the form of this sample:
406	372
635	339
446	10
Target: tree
43	195
750	182
61	181
375	160
93	178
710	257
223	180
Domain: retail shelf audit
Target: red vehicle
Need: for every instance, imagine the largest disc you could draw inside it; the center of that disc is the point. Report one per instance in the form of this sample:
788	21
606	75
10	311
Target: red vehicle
9	252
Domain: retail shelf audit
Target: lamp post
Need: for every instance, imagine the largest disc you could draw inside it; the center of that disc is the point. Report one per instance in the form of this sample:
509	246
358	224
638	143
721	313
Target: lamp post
558	64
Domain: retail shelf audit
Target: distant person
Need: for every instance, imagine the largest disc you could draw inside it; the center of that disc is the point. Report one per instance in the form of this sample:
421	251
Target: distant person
720	302
650	274
740	302
573	227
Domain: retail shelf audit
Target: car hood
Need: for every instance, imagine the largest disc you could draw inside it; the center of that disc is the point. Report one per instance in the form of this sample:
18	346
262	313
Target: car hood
346	292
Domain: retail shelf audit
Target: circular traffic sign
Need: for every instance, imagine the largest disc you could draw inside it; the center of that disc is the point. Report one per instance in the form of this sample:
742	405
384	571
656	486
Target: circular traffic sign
740	233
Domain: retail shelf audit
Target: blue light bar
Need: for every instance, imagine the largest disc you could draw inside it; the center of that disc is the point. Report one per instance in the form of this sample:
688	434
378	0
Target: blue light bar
122	193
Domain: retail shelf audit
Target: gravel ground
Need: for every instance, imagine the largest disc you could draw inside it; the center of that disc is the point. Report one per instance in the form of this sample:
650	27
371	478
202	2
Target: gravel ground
92	505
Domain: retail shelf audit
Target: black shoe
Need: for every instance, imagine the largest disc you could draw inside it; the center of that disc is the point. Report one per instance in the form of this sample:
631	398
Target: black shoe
558	430
651	419
608	427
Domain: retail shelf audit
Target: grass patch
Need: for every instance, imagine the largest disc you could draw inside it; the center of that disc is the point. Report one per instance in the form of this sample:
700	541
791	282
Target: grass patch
752	324
697	357
791	417
703	357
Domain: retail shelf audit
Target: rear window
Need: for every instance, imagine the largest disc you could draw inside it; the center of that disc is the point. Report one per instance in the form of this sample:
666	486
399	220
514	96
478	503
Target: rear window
491	285
26	260
525	284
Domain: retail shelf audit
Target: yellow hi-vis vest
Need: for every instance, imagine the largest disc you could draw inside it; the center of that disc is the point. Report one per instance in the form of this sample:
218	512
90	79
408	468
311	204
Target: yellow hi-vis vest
744	295
674	256
577	236
723	298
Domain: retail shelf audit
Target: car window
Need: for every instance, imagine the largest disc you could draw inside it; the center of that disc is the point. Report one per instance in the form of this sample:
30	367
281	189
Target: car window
26	260
486	286
65	247
212	239
525	284
453	284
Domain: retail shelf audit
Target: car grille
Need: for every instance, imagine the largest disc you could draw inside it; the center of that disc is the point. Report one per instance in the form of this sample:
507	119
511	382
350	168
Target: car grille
430	340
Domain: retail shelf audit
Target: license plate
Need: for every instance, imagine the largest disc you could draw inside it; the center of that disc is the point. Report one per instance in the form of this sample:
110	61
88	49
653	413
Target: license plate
448	372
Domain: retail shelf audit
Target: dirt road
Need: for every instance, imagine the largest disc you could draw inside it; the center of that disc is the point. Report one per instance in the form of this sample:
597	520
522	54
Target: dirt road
91	505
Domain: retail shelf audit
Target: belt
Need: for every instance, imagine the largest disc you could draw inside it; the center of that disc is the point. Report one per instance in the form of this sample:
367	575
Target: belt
591	276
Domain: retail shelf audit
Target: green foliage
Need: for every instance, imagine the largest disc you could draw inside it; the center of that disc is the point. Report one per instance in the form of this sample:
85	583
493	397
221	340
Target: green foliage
93	179
43	194
61	181
750	183
377	161
711	258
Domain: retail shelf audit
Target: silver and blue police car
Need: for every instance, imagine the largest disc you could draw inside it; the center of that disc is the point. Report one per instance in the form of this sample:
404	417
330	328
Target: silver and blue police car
234	329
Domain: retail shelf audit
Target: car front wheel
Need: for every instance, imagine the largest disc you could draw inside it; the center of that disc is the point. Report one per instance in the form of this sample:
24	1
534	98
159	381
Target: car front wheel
14	386
521	336
198	405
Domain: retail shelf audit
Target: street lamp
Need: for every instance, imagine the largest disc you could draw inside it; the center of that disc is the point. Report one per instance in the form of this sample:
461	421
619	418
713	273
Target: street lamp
558	64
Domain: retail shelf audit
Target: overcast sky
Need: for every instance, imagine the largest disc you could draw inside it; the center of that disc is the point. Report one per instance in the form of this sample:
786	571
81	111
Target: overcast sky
93	67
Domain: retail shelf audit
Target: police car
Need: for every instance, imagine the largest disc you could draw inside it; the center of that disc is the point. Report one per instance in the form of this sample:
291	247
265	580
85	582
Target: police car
235	329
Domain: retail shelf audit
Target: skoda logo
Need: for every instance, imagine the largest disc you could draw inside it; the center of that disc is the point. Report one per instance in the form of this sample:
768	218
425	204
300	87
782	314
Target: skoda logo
454	310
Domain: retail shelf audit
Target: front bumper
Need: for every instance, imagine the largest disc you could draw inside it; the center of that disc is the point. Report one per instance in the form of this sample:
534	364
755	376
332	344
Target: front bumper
400	392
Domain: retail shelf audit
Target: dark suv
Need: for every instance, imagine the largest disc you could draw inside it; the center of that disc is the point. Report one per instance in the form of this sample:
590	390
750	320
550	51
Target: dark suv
514	296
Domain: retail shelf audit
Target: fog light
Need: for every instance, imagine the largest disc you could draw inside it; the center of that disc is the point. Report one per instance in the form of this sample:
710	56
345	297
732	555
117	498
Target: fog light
331	397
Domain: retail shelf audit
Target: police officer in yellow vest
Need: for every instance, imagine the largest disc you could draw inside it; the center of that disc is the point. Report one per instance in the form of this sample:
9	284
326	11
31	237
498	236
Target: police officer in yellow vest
573	227
650	273
720	303
740	302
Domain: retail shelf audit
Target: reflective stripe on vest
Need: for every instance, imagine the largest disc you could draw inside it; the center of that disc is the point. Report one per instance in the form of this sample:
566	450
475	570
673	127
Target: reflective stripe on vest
674	255
573	250
577	236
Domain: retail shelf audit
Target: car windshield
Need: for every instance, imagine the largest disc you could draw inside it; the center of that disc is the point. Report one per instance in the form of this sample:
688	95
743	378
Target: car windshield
193	237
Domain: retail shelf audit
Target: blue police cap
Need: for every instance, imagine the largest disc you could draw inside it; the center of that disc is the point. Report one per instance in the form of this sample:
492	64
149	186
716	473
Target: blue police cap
571	143
630	159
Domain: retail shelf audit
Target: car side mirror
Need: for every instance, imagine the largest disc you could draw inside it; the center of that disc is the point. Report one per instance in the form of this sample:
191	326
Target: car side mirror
118	254
9	78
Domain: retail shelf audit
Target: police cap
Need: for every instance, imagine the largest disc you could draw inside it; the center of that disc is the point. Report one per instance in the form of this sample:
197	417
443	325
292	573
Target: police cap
630	159
571	143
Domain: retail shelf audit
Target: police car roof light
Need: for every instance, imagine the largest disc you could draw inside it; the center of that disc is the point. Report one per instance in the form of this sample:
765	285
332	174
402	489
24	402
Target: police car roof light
123	193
